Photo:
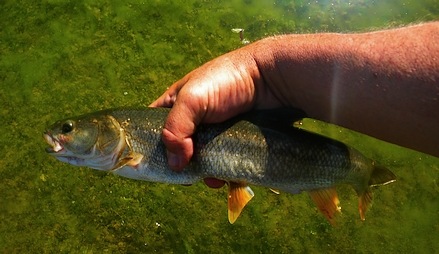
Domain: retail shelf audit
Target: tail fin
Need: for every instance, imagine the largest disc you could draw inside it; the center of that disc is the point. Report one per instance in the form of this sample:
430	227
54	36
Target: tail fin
379	176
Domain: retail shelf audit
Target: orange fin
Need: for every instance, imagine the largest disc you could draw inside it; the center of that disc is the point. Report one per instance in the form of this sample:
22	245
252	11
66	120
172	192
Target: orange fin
327	202
132	159
239	195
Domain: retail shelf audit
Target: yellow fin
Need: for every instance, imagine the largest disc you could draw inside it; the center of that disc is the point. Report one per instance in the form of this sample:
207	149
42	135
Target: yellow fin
327	202
275	191
132	159
239	195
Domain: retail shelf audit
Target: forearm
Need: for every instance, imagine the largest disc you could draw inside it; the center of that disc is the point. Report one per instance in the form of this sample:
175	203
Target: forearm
384	84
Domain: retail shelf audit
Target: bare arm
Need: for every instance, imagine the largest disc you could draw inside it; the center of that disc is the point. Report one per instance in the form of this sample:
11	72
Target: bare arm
384	84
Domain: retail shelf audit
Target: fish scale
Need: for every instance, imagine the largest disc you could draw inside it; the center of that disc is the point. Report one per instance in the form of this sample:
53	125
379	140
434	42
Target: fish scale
275	159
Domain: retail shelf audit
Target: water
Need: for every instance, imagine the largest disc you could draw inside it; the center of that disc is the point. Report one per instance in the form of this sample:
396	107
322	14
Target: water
60	58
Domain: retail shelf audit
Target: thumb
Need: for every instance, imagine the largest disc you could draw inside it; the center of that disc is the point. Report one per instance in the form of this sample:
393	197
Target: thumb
179	149
177	135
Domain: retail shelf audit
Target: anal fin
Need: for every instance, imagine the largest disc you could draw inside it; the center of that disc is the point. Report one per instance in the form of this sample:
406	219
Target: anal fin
327	202
239	195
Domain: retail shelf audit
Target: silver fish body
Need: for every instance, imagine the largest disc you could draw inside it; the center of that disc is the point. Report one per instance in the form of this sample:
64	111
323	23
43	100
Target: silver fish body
260	148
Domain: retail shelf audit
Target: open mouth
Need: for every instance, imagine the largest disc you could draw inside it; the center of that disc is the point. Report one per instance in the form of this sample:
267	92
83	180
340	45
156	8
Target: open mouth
57	150
55	145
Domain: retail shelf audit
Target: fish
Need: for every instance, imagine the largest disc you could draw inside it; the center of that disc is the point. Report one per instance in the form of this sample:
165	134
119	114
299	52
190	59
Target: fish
261	148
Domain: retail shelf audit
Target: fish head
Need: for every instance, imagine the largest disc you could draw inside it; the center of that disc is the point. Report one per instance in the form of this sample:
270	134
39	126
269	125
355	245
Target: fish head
92	141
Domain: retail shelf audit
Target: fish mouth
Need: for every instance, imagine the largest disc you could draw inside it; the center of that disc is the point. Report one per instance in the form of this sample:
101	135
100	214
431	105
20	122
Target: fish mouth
57	150
55	145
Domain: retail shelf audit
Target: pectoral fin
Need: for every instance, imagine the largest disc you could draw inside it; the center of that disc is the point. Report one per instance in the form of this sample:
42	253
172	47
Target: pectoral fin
133	159
327	202
239	195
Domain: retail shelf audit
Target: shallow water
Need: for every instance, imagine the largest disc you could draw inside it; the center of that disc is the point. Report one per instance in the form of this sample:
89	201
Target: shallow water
61	58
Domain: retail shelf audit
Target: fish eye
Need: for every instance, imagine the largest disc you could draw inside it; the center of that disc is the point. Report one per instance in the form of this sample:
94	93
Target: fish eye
67	127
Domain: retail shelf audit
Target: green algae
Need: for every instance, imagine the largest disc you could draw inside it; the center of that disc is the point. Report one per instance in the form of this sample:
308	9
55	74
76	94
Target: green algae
62	58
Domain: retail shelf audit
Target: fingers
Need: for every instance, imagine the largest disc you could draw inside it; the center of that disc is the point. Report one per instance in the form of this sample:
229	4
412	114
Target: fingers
178	128
180	124
179	150
168	98
214	183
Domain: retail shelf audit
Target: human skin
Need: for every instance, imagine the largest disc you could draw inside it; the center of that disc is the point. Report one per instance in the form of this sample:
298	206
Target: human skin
384	84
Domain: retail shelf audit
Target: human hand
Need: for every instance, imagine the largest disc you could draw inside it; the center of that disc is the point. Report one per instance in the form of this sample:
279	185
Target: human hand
216	91
212	93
